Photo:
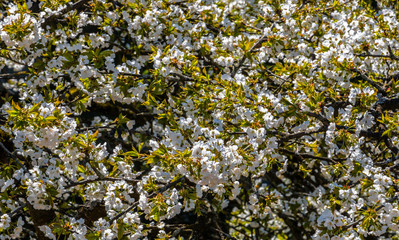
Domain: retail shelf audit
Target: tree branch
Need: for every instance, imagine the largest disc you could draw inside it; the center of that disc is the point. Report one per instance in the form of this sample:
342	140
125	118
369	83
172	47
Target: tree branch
301	134
161	190
51	19
13	75
307	155
242	60
182	77
377	209
322	119
371	82
13	157
111	179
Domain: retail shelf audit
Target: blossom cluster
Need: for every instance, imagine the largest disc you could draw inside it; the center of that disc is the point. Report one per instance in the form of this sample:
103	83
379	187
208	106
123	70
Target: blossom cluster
195	119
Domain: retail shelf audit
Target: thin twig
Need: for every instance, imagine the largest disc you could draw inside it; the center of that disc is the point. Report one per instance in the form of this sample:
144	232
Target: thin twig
307	155
183	77
13	75
111	179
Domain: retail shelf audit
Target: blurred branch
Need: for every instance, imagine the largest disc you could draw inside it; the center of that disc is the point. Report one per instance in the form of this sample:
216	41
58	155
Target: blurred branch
13	60
13	75
16	211
389	104
13	157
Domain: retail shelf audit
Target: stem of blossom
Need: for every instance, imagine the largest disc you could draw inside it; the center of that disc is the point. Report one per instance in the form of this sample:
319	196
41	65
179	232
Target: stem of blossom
390	145
284	81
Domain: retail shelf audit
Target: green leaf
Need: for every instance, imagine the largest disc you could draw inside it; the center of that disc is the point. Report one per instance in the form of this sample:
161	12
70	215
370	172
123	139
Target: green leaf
388	132
121	228
106	53
51	118
81	169
133	153
140	146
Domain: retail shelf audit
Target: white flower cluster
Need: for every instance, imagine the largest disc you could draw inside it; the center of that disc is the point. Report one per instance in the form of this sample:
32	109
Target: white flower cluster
153	119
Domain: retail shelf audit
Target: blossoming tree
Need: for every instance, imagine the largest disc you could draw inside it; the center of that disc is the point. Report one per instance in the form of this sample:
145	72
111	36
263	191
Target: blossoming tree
162	119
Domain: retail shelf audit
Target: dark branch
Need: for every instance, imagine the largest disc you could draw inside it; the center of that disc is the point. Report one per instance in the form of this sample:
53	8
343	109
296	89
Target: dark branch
14	157
51	19
111	179
242	60
161	190
371	82
307	155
